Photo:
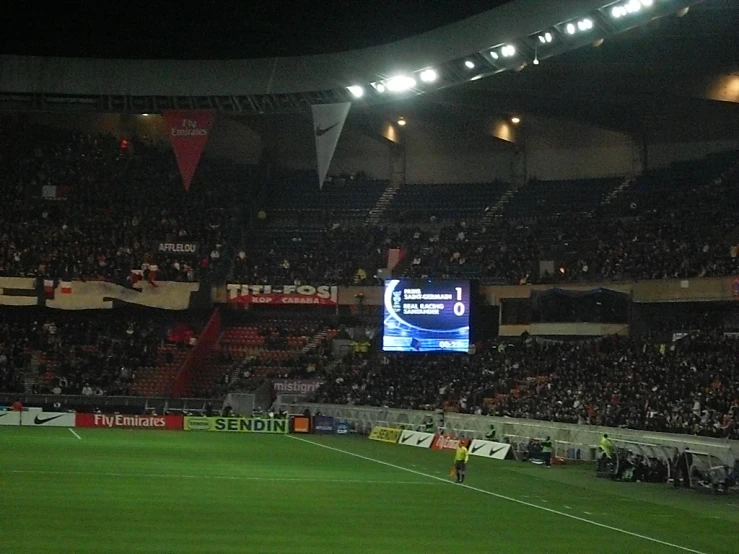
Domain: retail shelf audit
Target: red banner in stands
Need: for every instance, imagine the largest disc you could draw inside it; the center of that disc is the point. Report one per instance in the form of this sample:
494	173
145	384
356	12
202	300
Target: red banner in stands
323	295
172	422
188	133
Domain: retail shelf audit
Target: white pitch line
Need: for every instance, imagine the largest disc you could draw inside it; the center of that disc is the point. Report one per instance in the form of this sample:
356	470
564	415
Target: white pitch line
495	494
221	477
75	434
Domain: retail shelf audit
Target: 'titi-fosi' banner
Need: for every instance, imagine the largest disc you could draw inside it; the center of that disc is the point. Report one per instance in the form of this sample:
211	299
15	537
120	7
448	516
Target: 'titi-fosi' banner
385	434
322	295
181	248
489	449
236	424
445	442
417	439
188	133
167	422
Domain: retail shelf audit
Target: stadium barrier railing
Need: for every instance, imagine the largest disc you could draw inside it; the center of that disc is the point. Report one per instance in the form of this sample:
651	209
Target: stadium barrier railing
567	438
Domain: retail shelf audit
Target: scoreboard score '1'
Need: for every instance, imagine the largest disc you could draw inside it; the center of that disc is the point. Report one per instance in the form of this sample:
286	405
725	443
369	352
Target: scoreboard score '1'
426	316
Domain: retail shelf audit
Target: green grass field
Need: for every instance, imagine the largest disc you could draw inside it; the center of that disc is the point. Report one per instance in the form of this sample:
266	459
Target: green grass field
118	491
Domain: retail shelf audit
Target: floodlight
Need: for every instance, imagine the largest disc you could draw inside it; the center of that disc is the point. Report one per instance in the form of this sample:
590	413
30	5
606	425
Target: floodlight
429	75
494	55
379	87
570	29
546	38
469	64
400	83
515	120
356	91
585	24
508	51
647	3
401	122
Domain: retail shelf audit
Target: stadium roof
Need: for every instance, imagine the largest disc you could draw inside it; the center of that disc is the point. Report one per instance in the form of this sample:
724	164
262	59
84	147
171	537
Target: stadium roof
672	69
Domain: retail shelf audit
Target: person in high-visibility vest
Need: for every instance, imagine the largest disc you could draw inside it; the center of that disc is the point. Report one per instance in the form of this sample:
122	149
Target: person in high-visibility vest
461	457
606	446
546	450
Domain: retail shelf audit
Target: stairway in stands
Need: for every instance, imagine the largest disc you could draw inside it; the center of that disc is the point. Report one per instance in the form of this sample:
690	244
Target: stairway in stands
617	191
495	213
378	210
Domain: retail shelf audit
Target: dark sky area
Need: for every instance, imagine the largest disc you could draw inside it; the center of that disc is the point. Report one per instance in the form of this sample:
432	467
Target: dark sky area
224	29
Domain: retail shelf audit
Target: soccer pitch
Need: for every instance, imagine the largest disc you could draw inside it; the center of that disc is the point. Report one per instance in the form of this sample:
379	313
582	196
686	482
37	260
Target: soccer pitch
120	491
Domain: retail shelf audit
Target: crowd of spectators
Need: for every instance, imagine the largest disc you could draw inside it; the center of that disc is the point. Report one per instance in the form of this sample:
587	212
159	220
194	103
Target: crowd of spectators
334	255
689	386
94	207
124	196
97	353
674	223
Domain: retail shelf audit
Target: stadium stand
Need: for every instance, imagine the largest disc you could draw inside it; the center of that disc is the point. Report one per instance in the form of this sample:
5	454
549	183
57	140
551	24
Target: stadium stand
269	347
445	203
113	353
91	207
685	387
113	200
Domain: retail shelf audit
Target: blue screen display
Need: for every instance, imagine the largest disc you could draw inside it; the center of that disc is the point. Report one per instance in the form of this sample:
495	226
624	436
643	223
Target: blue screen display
426	316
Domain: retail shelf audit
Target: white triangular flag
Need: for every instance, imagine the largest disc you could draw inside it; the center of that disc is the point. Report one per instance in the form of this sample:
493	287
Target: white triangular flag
328	122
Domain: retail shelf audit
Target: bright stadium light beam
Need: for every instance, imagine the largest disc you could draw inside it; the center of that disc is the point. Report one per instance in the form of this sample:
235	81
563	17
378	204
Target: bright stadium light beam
356	91
400	83
429	75
585	24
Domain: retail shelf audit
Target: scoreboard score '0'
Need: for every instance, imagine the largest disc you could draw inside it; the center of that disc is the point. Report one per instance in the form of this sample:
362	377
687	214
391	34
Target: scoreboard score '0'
426	316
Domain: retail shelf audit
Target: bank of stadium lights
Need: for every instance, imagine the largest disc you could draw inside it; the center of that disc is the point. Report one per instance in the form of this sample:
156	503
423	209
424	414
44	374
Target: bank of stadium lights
508	51
505	51
581	26
356	91
546	38
630	7
429	75
399	83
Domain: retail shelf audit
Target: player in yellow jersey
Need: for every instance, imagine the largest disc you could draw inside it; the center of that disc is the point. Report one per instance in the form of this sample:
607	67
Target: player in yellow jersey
461	457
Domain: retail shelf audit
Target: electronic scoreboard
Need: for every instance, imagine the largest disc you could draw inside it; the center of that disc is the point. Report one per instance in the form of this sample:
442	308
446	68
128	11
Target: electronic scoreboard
426	316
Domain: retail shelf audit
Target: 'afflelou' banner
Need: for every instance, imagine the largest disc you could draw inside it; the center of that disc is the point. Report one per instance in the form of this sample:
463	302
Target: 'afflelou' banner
188	133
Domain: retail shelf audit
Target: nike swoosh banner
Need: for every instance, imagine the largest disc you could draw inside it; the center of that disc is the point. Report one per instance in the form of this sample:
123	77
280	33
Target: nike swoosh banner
328	122
188	133
417	439
490	449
